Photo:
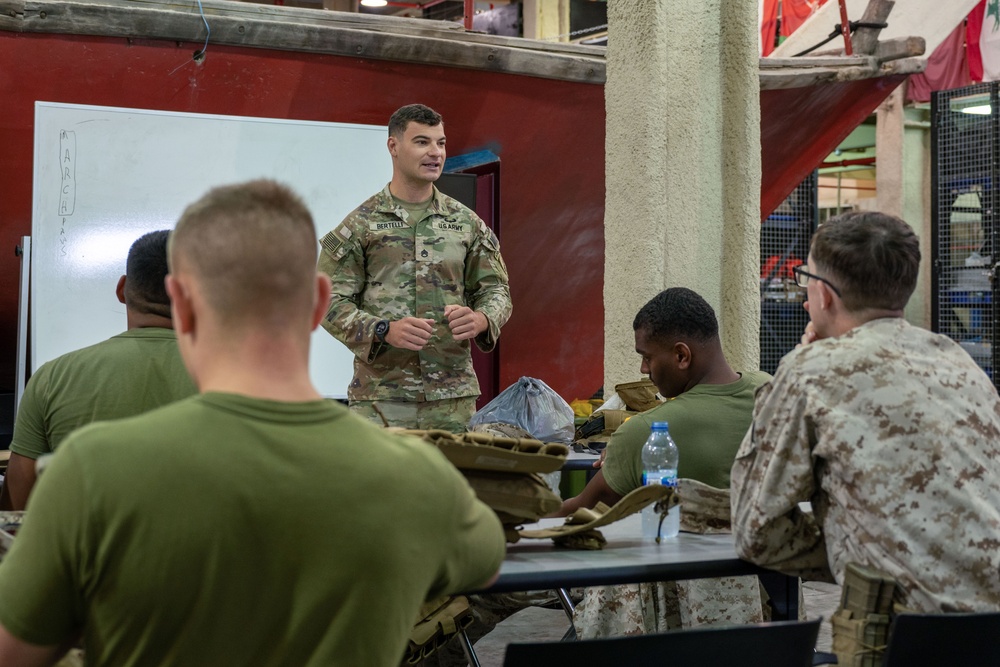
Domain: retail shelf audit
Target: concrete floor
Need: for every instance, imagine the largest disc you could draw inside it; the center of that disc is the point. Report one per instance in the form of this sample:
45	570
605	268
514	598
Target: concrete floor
542	625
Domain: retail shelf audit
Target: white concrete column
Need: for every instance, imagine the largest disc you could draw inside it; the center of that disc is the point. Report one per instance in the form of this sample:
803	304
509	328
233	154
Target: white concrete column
682	169
545	19
902	181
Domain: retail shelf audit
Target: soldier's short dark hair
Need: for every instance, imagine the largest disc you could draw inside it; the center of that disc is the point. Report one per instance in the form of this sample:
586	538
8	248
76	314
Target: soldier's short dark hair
145	272
677	313
872	258
417	113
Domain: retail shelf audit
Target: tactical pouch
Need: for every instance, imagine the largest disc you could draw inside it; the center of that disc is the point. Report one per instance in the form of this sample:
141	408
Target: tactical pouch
704	509
861	624
638	396
484	451
524	496
438	622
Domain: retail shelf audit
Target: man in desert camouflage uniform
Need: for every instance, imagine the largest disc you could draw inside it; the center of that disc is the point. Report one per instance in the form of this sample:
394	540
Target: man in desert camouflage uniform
892	432
416	277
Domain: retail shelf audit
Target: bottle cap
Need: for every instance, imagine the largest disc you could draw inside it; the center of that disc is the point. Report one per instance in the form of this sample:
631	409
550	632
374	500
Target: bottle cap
660	426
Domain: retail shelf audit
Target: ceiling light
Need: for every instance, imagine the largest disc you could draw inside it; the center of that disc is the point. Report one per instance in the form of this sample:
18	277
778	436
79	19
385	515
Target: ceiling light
981	110
374	3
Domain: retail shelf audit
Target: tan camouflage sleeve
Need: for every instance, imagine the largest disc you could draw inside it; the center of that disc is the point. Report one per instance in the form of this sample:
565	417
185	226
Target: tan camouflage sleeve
486	285
772	474
342	258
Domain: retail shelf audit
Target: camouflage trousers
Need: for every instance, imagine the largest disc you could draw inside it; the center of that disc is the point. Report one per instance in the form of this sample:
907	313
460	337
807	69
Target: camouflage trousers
449	414
488	611
636	609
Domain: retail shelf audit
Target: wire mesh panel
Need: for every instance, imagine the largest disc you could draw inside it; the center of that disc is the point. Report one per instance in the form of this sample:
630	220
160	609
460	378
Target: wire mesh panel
784	244
964	227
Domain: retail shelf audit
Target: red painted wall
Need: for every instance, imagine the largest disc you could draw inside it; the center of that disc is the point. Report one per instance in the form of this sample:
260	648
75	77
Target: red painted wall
548	134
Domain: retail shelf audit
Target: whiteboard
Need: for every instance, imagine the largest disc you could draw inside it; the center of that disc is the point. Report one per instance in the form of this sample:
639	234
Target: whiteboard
105	176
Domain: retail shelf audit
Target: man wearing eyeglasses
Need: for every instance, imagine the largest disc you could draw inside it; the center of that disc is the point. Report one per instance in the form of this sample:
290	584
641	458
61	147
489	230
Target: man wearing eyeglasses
890	431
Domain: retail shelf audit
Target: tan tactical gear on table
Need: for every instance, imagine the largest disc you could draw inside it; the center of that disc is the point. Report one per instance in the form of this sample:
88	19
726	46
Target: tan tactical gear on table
638	396
504	472
632	609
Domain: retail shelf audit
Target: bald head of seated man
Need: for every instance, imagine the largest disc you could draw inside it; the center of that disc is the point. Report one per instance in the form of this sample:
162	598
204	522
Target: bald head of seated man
128	374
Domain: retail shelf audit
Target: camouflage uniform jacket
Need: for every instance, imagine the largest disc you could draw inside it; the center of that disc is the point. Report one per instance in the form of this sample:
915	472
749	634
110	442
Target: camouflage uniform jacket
893	434
386	266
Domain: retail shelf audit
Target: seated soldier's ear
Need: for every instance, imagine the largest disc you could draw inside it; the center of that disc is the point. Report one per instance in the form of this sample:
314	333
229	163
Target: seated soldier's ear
682	354
120	290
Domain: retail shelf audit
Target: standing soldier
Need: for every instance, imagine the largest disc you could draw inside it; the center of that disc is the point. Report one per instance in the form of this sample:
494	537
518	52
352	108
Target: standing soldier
416	277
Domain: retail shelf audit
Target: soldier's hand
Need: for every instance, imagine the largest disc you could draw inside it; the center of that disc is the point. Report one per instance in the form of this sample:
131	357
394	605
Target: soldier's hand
410	333
599	463
809	335
464	322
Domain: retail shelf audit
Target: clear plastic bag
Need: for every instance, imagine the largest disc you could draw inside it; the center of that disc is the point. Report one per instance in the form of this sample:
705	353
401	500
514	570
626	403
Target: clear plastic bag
532	405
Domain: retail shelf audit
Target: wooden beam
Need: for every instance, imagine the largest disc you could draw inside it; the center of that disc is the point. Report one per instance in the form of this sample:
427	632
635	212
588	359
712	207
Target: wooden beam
307	30
865	40
386	38
902	47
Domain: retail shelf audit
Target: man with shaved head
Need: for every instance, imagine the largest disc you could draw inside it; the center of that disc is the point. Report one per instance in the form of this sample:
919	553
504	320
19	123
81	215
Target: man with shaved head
255	523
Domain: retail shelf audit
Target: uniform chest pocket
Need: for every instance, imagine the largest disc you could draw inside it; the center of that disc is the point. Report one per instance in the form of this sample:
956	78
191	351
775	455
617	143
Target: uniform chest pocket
443	241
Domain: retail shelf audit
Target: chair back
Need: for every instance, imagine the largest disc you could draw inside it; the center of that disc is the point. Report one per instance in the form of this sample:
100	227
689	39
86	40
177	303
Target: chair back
779	644
969	640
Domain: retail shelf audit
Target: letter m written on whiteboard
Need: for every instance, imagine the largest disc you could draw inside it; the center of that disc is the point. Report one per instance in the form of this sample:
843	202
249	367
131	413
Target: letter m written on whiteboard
67	161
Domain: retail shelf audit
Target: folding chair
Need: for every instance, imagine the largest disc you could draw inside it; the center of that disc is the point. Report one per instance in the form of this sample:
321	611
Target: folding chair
780	644
969	640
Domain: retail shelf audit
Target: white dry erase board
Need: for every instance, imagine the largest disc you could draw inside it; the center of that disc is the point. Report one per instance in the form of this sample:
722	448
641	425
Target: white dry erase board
105	176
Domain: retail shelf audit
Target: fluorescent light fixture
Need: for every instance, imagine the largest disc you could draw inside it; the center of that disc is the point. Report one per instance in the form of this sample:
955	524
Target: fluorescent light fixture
374	3
981	110
977	104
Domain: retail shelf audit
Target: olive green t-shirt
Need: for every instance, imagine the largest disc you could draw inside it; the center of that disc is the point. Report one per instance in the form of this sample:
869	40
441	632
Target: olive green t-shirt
228	530
126	375
707	422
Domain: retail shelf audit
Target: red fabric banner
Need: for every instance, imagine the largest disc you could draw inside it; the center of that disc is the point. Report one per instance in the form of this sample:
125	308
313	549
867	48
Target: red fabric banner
767	12
795	12
947	68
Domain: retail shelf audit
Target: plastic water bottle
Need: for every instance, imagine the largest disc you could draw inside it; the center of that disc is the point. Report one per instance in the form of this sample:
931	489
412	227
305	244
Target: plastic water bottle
659	466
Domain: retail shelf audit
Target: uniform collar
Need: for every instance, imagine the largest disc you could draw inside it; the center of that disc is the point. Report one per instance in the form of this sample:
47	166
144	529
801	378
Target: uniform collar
384	203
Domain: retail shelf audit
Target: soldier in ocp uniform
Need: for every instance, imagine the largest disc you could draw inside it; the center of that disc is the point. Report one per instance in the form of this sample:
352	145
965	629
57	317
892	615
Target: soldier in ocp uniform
417	277
891	431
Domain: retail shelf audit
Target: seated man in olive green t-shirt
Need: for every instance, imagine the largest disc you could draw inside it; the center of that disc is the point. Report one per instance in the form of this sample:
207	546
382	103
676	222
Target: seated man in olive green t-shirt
126	375
255	523
709	409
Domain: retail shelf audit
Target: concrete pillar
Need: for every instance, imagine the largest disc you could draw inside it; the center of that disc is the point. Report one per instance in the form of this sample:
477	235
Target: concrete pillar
546	19
903	185
682	169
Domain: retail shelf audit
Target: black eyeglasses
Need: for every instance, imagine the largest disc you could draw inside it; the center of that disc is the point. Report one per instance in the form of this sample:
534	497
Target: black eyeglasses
802	279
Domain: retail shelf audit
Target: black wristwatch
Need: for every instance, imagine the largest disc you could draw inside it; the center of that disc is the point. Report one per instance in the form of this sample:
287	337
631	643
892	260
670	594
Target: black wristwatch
381	330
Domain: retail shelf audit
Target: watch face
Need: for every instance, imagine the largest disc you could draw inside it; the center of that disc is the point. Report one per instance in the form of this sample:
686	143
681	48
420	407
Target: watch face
381	329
